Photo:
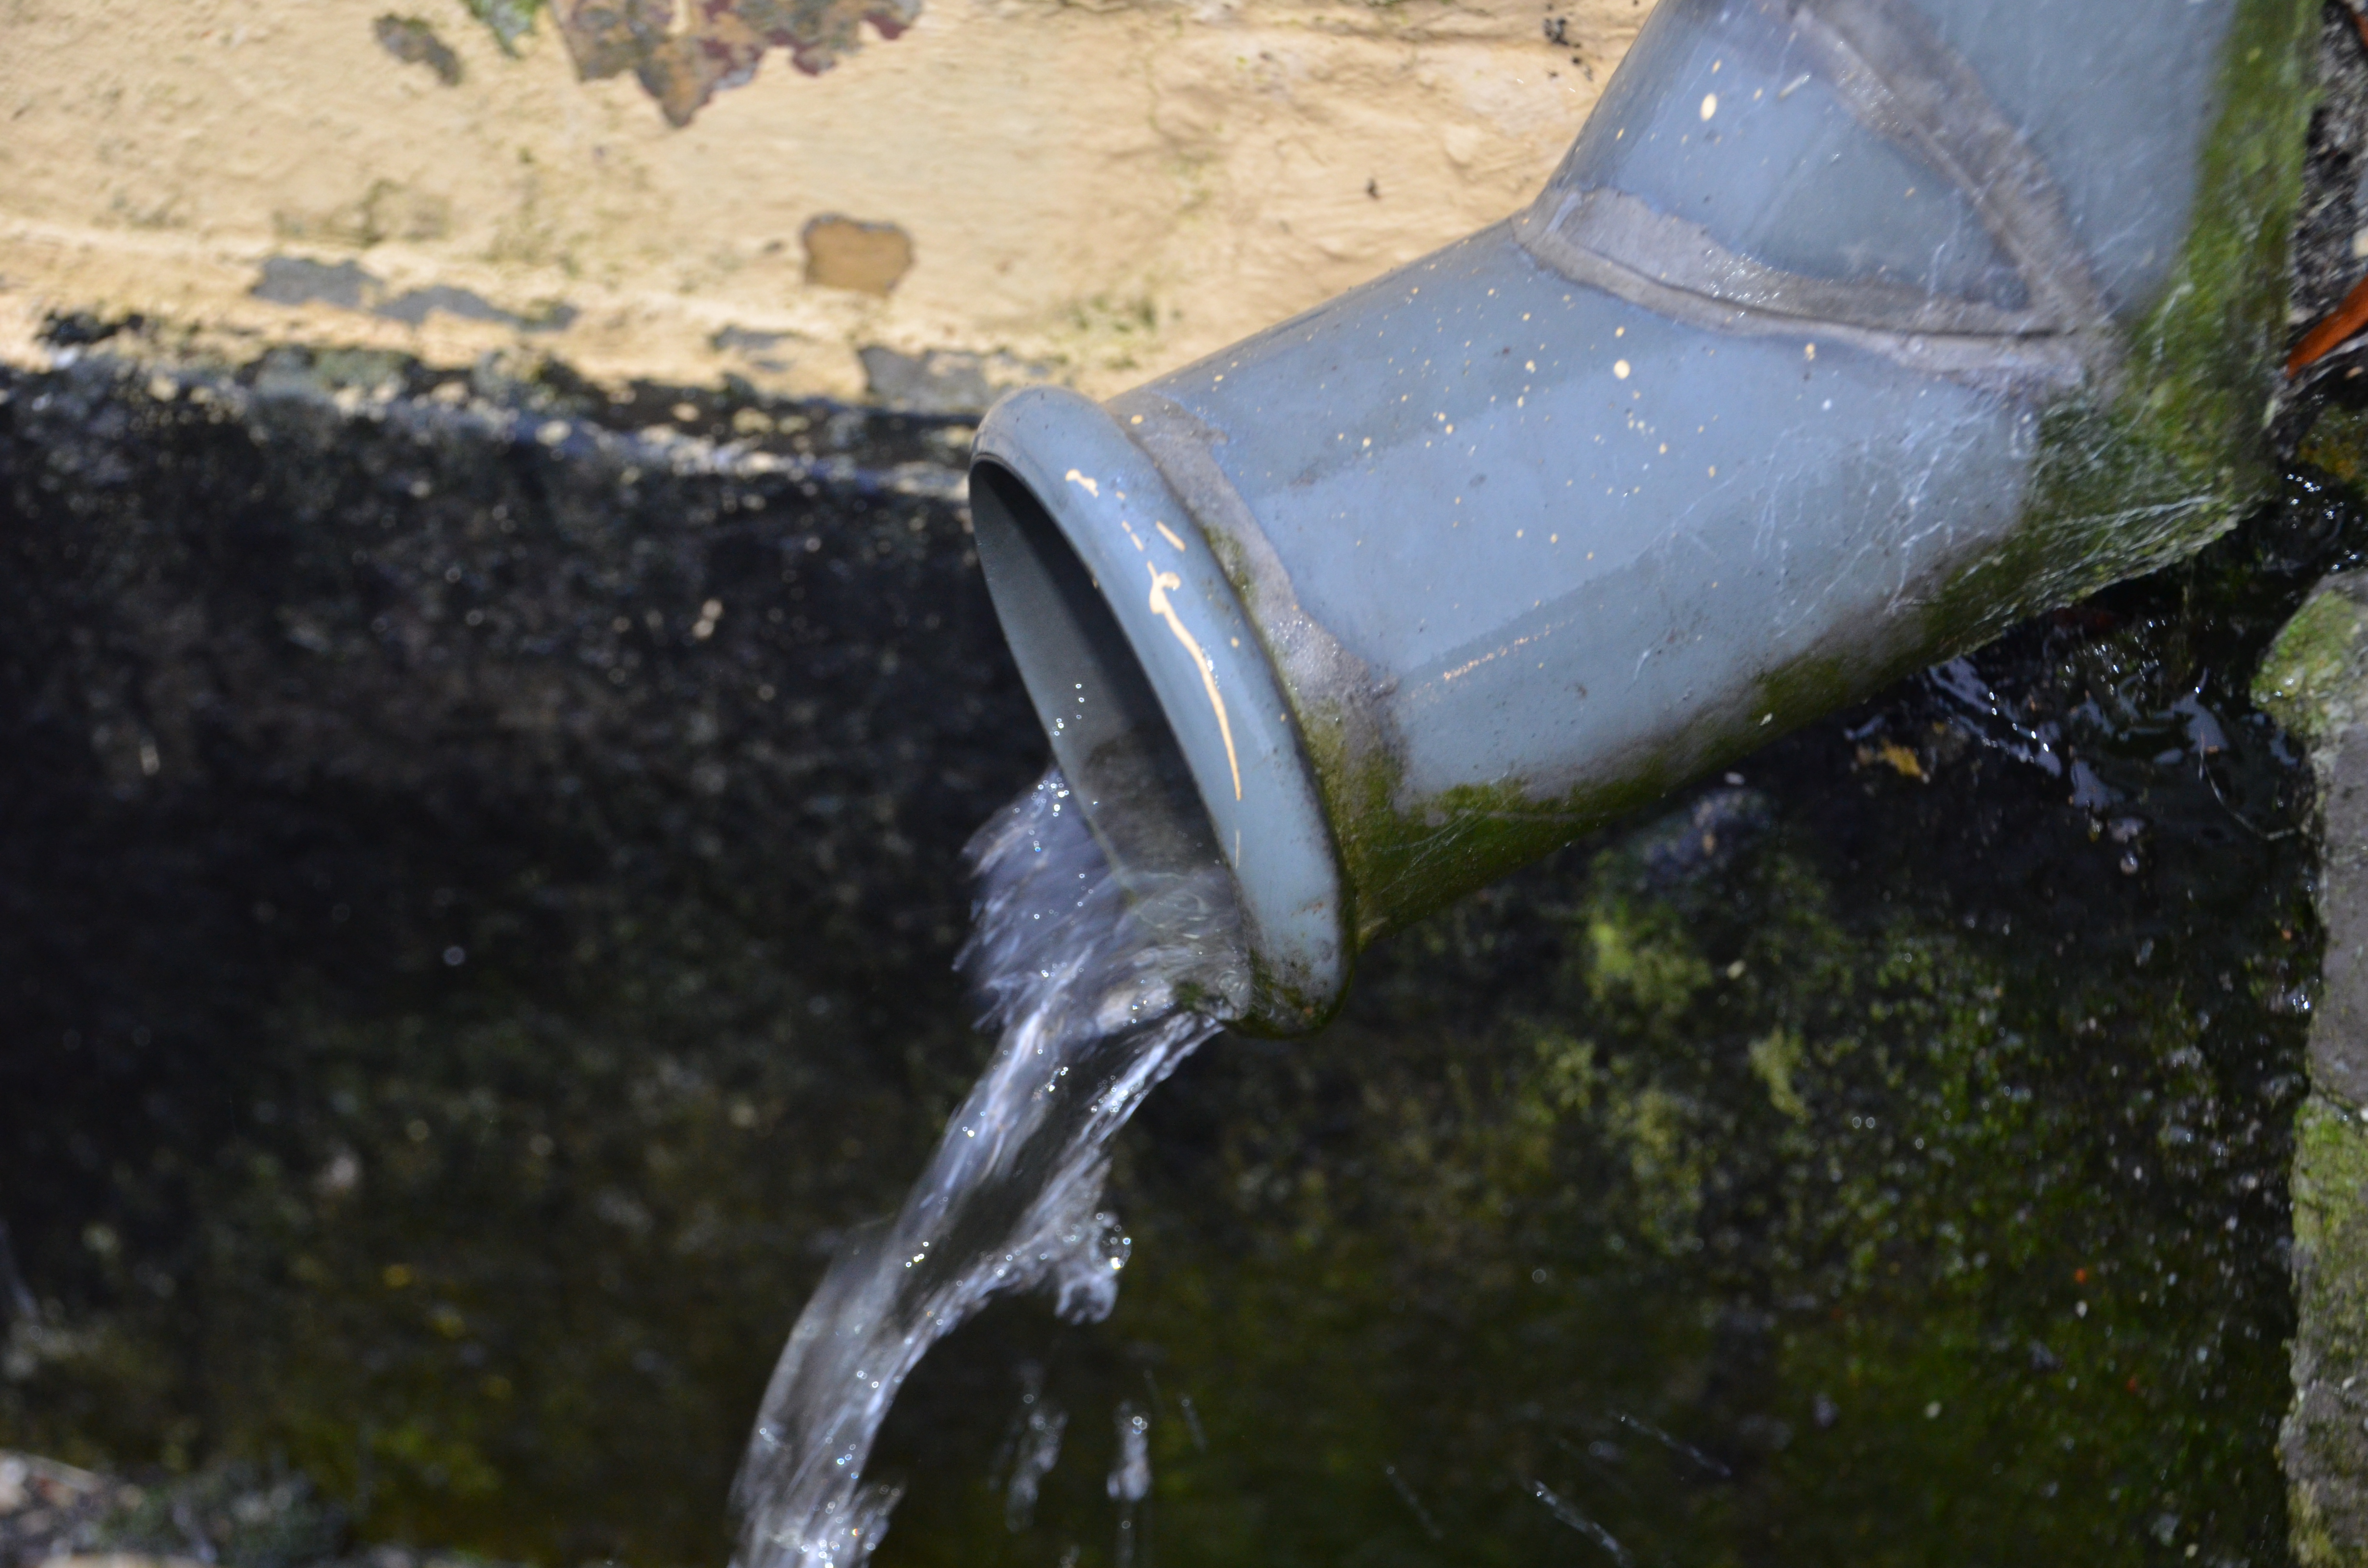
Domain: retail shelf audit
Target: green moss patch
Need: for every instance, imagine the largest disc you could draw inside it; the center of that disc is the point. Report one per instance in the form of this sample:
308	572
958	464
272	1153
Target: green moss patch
2311	663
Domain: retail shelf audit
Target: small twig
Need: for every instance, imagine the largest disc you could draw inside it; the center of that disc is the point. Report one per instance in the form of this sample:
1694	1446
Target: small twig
2343	357
2234	814
2334	329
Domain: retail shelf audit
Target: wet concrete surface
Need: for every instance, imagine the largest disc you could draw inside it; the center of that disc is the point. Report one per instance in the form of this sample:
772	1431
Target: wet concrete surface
483	885
461	834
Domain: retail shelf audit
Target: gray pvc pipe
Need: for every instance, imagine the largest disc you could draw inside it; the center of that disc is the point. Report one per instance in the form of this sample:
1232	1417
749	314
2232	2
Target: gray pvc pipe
1846	332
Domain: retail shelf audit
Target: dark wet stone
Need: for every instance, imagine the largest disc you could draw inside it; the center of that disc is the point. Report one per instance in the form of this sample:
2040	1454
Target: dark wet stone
672	735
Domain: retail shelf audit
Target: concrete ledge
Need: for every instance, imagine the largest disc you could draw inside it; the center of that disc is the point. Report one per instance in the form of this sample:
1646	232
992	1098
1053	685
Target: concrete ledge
1097	193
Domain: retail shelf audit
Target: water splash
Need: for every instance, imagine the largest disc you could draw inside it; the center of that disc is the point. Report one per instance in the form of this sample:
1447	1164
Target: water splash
1099	992
1561	1508
1130	1476
1033	1448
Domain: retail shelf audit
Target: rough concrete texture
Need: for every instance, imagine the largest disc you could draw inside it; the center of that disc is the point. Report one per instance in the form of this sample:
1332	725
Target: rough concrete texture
395	589
475	926
2326	1455
2316	681
684	673
1105	191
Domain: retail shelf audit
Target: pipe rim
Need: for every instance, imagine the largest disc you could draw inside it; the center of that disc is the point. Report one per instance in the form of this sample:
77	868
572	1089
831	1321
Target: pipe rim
1225	709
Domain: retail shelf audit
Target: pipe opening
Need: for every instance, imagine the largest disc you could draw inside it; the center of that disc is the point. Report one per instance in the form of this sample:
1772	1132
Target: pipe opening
1108	732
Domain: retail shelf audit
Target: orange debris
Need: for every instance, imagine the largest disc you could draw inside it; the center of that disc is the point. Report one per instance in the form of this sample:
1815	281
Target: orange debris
2334	329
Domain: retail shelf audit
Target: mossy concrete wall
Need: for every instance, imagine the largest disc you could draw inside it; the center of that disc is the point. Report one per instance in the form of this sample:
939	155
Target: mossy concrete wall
2316	680
1089	193
478	923
1002	190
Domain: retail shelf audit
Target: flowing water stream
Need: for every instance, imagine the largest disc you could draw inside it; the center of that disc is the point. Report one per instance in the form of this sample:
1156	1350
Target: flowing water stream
1086	982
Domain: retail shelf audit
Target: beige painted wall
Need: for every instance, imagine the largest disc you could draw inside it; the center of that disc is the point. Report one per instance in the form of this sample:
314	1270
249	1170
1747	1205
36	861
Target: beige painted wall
1103	191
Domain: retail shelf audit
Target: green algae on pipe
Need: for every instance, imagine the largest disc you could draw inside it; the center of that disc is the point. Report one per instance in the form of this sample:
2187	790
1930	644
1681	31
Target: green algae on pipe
1848	332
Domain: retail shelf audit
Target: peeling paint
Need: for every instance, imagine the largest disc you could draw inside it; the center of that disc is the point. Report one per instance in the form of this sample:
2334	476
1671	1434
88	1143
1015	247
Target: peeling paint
1166	200
943	381
846	253
415	42
683	63
298	280
508	20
